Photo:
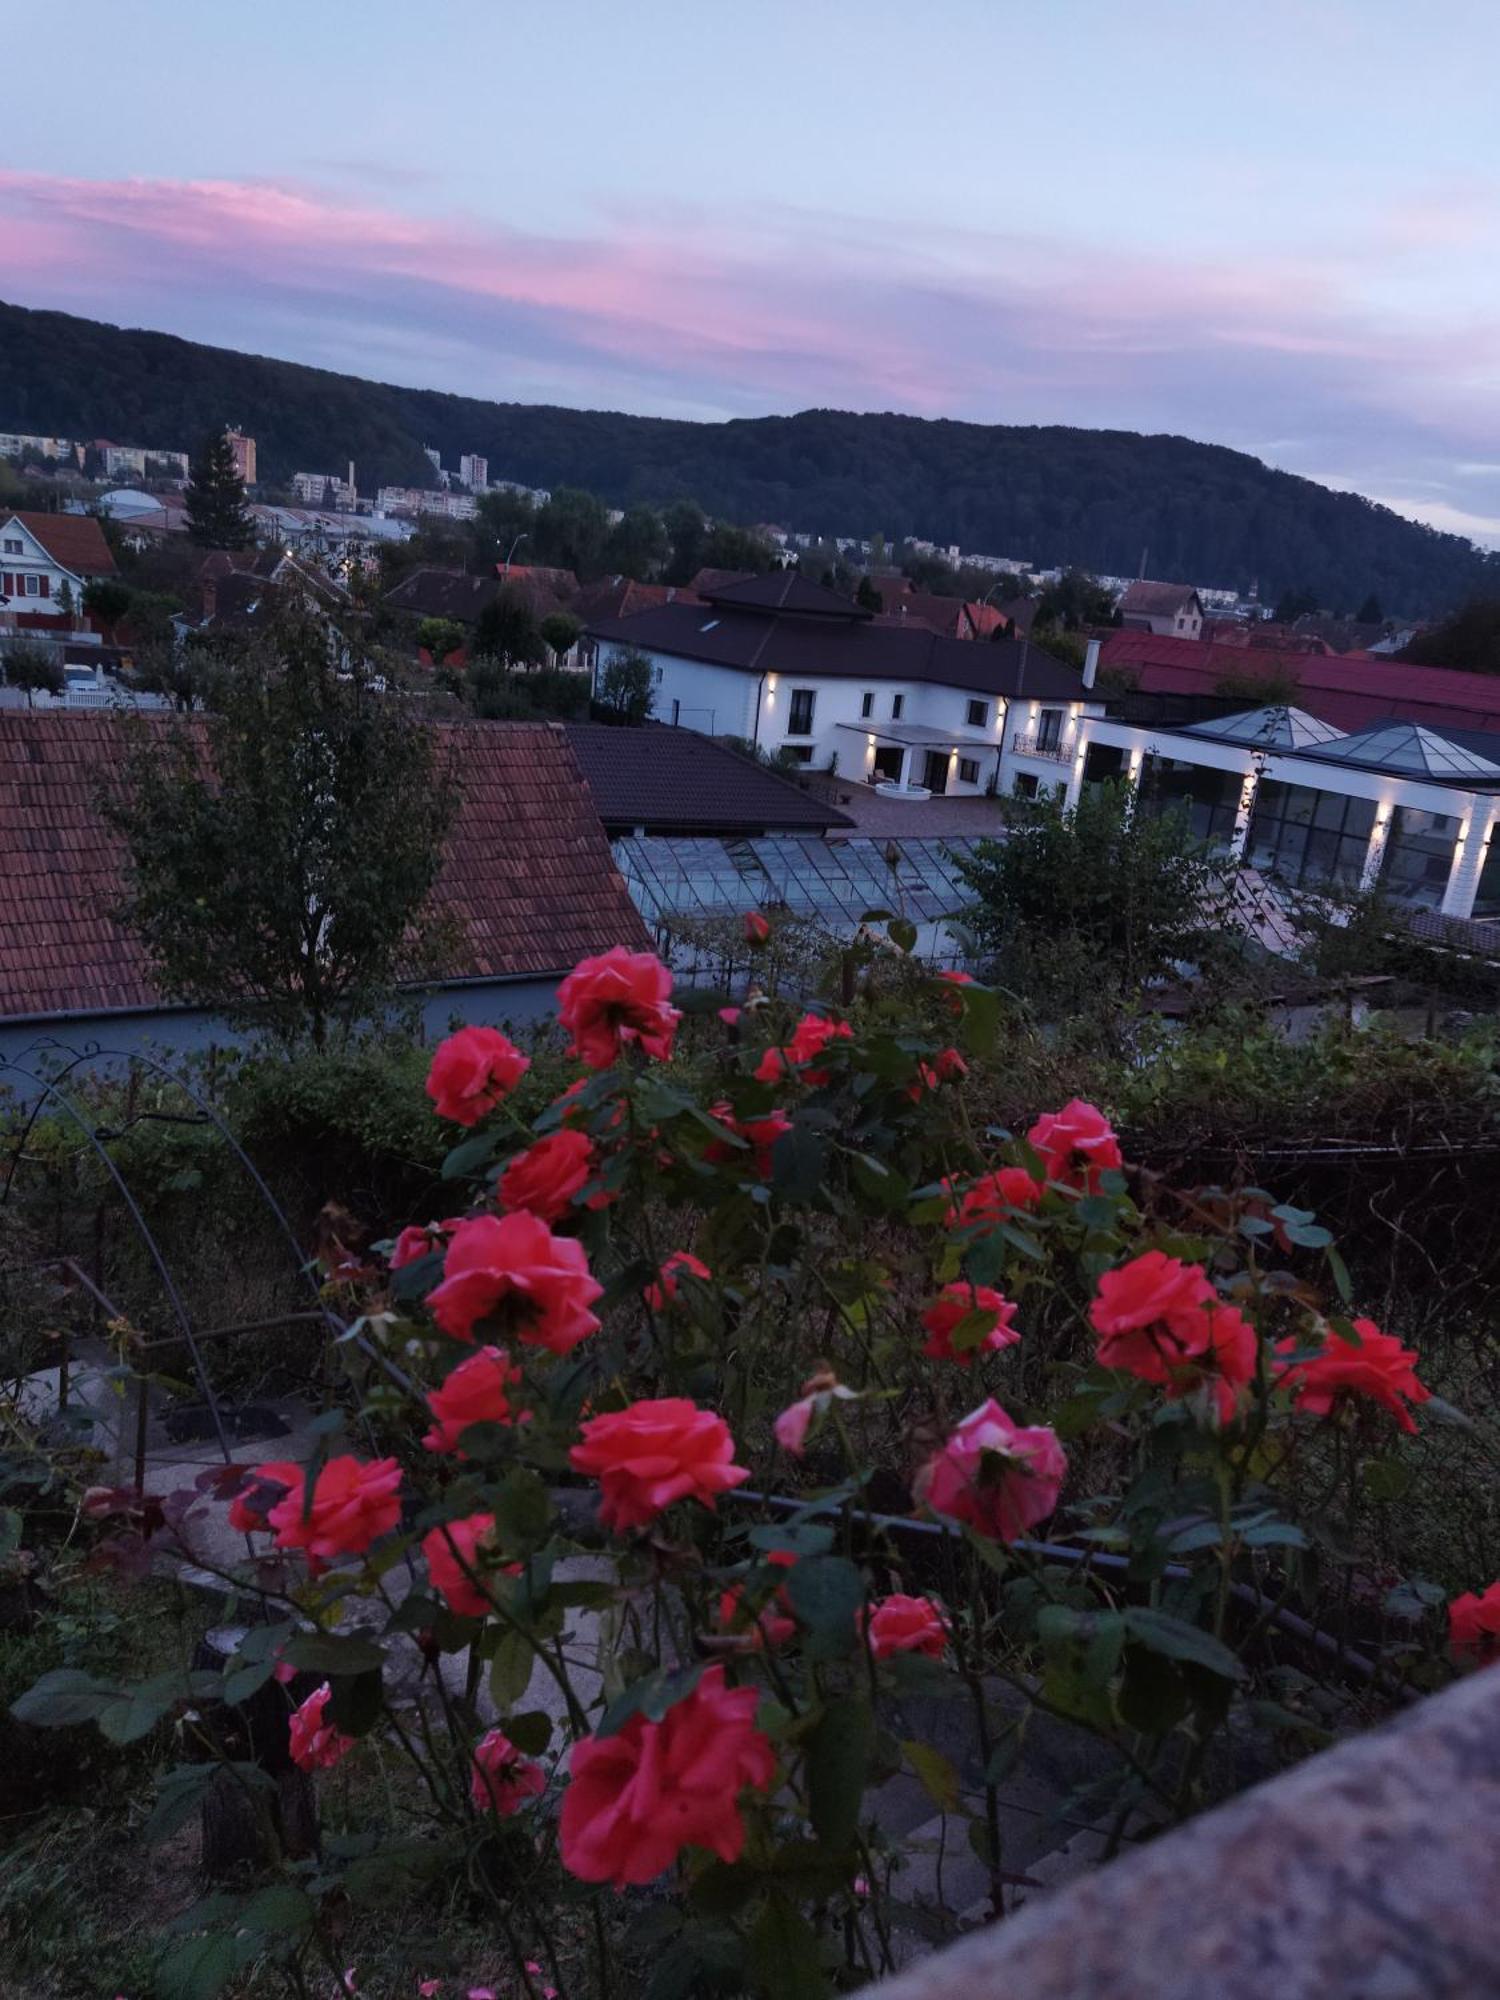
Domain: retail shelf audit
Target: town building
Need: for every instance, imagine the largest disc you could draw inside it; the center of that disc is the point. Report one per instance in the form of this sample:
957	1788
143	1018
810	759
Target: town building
654	781
416	500
242	451
473	471
23	445
794	668
527	880
1166	608
325	489
46	561
140	461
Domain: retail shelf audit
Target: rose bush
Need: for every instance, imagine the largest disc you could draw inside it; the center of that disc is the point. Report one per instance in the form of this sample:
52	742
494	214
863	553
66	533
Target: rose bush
718	1422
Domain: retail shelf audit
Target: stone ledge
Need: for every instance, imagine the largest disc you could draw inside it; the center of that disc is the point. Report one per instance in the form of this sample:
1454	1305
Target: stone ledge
1371	1872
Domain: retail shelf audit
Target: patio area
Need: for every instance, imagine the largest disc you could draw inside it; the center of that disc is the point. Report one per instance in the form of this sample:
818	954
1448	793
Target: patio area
914	819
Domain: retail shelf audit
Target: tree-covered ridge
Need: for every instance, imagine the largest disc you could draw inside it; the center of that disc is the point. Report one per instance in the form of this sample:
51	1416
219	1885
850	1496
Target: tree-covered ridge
1048	494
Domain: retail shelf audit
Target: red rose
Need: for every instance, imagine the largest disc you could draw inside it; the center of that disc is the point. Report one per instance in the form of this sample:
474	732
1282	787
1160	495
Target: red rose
757	930
477	1392
759	1134
354	1502
955	1303
664	1292
898	1624
773	1626
314	1743
544	1179
638	1798
954	1000
1076	1144
653	1453
810	1038
1474	1625
513	1267
1161	1320
451	1550
411	1244
502	1780
472	1071
997	1475
606	1003
1379	1367
992	1198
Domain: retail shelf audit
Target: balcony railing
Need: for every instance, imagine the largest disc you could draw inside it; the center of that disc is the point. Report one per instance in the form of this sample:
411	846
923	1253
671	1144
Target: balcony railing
1055	750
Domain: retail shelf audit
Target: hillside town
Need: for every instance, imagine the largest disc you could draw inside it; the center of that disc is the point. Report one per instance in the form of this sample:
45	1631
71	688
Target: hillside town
749	1004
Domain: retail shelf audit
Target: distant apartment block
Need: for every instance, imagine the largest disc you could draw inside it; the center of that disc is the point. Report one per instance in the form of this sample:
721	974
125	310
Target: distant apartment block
418	500
325	489
473	471
242	450
434	458
20	444
124	461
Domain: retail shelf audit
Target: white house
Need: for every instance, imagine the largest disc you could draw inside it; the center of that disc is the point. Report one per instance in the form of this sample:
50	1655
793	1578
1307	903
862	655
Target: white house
46	560
791	666
1396	804
1174	609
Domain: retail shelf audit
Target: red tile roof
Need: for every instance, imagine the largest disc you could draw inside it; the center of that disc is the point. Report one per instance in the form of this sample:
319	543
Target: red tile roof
74	541
1348	692
528	870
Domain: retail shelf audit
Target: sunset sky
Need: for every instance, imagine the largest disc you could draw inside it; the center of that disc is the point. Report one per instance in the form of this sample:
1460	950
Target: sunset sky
1275	226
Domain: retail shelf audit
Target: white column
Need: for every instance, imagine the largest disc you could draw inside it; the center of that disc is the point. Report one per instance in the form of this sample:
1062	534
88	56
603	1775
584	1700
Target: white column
1375	852
1243	812
1469	853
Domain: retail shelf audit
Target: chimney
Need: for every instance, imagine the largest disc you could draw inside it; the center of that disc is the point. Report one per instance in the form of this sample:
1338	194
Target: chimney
1091	663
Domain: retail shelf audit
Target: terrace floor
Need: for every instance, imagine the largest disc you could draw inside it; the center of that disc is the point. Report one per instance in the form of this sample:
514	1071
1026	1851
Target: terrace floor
919	819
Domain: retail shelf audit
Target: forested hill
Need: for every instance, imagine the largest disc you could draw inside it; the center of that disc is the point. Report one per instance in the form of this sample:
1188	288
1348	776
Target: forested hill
1049	494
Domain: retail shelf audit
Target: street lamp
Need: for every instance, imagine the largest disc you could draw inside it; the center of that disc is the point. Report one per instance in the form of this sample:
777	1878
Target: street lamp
523	536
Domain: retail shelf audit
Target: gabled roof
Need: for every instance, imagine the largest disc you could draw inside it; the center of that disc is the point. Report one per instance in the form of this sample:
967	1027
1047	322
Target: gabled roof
784	590
674	780
1158	600
443	593
1412	750
707	580
528	870
1278	727
844	649
75	542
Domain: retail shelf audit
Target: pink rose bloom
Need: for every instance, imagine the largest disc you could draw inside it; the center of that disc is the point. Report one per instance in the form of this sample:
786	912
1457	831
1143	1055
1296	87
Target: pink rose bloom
638	1798
664	1292
544	1179
1162	1320
619	998
759	1134
999	1476
451	1550
315	1744
354	1502
477	1392
503	1780
954	1304
992	1198
512	1267
653	1453
899	1624
472	1071
757	928
1379	1369
1474	1625
1076	1145
810	1038
774	1626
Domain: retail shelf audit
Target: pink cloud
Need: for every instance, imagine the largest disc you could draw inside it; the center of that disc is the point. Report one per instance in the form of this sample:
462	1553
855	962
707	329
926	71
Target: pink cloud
684	313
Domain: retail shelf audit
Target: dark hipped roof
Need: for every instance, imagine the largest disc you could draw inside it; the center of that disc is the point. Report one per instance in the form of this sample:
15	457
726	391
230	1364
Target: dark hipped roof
1157	600
674	780
443	593
74	541
849	649
784	590
528	871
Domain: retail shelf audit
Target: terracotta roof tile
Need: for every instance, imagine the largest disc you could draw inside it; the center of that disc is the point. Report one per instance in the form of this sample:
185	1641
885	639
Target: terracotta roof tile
74	541
528	869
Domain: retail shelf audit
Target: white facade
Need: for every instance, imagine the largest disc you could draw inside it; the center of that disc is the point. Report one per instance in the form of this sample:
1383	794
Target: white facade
30	579
124	460
16	444
918	733
473	471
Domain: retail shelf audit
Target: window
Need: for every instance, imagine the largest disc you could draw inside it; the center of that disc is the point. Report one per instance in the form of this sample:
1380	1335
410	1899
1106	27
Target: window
1298	834
32	585
979	715
798	753
968	770
676	713
12	545
1049	729
1419	855
898	702
801	720
1027	785
867	703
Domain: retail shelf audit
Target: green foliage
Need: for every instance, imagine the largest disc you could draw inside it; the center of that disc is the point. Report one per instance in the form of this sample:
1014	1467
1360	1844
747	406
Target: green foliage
1099	891
288	881
439	637
1470	639
215	497
107	600
33	667
1075	602
532	694
624	691
561	632
1299	602
505	631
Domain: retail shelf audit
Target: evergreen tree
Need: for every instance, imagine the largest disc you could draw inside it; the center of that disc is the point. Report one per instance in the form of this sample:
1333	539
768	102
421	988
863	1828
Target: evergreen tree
216	513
